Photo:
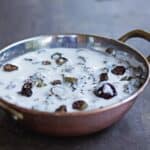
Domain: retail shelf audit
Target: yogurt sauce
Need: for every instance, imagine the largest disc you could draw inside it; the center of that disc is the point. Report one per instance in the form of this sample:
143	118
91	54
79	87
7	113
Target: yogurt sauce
63	76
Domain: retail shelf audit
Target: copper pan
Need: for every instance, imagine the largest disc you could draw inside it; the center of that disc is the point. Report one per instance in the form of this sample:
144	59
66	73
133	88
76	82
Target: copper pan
75	123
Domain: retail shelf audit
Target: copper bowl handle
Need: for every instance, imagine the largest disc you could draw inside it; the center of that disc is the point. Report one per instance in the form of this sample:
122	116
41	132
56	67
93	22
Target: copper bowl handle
136	34
16	115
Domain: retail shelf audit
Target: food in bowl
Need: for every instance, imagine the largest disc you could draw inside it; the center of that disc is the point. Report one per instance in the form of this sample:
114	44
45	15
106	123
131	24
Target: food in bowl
70	79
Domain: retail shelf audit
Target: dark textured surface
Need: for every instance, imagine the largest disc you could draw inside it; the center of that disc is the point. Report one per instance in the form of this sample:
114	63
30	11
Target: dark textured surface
21	19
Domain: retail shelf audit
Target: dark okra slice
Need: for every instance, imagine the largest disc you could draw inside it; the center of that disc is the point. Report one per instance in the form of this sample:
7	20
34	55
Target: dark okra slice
109	50
106	91
10	67
79	105
55	82
26	89
118	70
71	80
61	109
61	60
103	77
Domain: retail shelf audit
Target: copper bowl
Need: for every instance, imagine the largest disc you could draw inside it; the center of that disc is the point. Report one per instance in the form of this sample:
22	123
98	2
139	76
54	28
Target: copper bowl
75	123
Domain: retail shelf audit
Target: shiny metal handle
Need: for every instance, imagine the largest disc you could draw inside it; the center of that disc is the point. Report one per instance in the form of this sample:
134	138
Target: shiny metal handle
16	115
136	34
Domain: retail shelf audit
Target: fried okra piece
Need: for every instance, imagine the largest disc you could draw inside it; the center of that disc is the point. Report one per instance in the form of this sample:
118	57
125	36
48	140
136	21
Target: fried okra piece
61	109
71	80
106	91
103	77
61	60
118	70
55	82
10	67
79	105
26	89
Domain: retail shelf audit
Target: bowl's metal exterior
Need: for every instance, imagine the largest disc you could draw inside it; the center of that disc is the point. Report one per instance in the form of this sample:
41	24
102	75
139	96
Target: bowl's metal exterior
76	123
70	124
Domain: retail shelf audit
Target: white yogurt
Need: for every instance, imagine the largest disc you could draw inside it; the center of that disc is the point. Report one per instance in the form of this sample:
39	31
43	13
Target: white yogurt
85	65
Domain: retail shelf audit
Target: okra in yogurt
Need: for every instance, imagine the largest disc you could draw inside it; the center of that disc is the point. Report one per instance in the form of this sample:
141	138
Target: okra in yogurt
68	80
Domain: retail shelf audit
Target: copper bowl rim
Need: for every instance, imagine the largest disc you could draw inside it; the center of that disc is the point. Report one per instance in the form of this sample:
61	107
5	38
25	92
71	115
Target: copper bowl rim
79	113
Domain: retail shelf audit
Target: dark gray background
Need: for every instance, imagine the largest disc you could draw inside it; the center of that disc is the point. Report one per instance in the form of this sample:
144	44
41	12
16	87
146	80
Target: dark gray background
20	19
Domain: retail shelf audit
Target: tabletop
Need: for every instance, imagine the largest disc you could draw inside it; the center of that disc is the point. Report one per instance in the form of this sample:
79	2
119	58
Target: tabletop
20	19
